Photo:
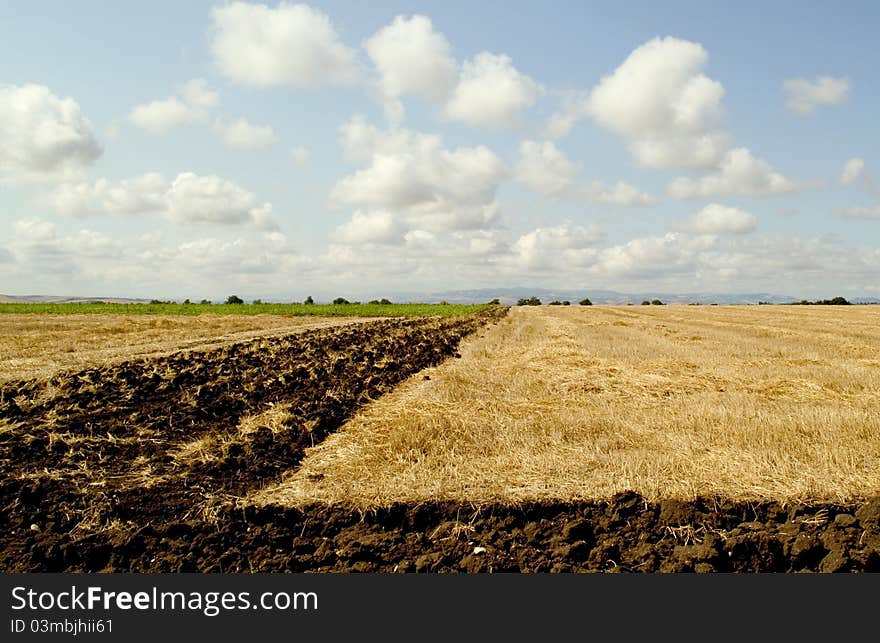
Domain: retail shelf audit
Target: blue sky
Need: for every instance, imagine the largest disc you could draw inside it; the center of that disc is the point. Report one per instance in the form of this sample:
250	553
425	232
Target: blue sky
194	149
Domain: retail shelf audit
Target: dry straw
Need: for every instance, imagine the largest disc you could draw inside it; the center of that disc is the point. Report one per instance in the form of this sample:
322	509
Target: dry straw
580	403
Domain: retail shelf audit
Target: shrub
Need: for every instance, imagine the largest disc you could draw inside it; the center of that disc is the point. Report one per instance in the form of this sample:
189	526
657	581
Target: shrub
257	302
339	301
385	302
495	302
656	302
205	302
531	301
555	303
187	301
646	303
309	301
585	302
565	302
234	299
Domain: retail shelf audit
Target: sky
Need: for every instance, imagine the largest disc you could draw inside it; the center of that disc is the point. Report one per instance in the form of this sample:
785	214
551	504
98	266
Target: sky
191	150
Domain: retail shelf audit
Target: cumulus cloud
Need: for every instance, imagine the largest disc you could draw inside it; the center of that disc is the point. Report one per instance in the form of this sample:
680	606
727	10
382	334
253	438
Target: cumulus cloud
34	229
853	170
545	169
863	212
720	219
673	253
42	134
412	175
491	92
37	243
141	194
188	199
739	173
370	227
659	100
291	44
210	199
804	96
412	58
562	246
191	105
300	154
560	123
245	135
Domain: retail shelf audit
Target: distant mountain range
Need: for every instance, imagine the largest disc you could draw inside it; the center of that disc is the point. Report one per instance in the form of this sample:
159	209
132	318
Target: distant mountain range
52	299
504	295
608	297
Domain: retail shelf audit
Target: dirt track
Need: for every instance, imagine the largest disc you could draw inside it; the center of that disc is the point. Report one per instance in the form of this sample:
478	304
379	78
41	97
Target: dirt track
101	473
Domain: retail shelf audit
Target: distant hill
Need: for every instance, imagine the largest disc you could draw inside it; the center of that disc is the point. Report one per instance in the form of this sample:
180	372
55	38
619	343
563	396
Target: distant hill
609	297
53	299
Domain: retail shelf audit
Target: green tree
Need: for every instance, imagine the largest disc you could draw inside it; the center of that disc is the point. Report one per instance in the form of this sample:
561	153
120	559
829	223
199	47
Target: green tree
234	299
656	302
309	301
339	301
646	303
585	302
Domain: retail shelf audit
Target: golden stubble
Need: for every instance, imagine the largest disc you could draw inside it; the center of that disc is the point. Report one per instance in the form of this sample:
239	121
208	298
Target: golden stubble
559	403
39	346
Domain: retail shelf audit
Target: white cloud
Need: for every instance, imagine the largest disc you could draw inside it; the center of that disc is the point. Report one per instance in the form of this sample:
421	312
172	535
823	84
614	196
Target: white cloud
423	184
161	115
739	173
42	134
574	107
562	246
491	92
661	102
720	219
189	199
545	169
244	135
370	227
192	105
210	199
804	96
197	95
863	212
300	155
291	44
34	229
412	58
673	253
141	194
853	170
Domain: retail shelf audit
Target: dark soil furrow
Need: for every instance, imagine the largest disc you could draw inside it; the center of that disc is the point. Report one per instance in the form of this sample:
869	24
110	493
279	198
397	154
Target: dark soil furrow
626	534
91	454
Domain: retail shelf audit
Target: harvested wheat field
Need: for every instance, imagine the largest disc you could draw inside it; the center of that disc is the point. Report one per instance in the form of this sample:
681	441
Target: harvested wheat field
655	439
33	346
554	403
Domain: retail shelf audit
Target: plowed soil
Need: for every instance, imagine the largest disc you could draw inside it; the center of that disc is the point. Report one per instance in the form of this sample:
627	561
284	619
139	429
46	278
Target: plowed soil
99	455
142	466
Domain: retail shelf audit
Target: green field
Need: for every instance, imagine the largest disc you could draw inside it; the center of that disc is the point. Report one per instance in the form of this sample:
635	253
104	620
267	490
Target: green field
298	310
